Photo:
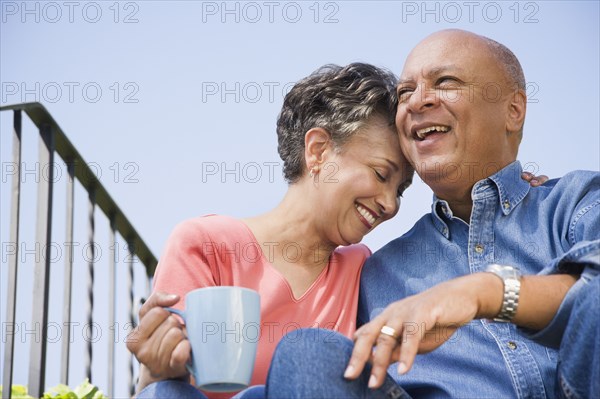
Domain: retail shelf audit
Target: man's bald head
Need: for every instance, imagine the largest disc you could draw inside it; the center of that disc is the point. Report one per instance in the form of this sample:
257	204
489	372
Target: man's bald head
503	55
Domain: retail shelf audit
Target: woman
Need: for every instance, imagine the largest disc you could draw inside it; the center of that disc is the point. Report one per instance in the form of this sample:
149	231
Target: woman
345	171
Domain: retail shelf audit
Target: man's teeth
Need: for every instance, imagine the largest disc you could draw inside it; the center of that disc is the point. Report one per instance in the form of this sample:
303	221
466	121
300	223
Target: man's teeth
366	214
421	133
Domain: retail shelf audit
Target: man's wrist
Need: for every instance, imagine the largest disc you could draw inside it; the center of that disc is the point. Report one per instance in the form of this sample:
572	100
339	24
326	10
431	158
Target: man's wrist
511	279
490	293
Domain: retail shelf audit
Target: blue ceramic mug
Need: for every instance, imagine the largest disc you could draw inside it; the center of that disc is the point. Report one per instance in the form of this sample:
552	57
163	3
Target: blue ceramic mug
223	327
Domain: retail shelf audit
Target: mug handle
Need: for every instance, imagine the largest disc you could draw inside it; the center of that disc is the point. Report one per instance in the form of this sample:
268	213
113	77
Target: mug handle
181	314
178	312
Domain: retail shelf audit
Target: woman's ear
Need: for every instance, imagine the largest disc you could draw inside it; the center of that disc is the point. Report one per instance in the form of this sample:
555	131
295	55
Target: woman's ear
316	143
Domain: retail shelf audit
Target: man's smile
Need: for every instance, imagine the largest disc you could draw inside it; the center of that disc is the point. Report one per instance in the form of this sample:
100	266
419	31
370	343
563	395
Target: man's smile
421	133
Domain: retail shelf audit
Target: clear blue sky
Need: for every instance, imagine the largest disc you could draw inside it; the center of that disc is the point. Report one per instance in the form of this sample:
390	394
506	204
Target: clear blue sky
174	104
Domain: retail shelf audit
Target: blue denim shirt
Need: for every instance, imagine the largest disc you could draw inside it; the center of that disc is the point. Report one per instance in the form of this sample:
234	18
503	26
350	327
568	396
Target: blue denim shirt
549	229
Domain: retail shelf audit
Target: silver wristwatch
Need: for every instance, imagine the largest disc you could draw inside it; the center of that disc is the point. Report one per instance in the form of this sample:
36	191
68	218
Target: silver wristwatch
511	277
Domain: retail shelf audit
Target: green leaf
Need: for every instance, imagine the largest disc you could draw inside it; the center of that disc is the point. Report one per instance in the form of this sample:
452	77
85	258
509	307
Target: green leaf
85	390
18	392
58	392
88	391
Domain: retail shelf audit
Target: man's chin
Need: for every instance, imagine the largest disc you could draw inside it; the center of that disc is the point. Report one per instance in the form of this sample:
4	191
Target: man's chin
438	167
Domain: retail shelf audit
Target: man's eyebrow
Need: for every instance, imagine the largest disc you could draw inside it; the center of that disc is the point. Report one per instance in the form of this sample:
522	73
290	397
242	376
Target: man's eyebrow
437	71
433	72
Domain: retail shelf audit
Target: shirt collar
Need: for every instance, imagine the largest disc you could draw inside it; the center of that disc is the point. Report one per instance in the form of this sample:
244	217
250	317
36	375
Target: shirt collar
511	189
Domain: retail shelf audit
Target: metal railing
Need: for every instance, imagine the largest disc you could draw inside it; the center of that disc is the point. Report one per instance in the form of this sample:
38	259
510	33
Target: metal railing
52	140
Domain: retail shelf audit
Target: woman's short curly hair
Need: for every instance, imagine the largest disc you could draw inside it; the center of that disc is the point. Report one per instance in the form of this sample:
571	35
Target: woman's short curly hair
338	99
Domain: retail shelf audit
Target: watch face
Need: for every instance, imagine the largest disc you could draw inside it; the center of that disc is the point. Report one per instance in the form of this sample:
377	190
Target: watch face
507	271
504	271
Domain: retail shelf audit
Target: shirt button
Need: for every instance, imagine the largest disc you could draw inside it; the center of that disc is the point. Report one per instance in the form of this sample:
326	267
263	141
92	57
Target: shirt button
506	204
512	345
479	248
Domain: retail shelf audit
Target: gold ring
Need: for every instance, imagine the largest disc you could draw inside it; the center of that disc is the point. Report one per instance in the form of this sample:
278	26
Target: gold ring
389	331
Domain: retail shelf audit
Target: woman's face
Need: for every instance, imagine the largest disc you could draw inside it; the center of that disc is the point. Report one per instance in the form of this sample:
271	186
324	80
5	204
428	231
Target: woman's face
361	183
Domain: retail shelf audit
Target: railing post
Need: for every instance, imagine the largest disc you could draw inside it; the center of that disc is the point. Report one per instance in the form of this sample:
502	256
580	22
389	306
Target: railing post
37	360
111	308
13	258
132	316
68	277
90	282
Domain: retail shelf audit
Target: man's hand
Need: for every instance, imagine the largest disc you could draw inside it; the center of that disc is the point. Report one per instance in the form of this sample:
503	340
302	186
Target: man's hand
159	342
422	323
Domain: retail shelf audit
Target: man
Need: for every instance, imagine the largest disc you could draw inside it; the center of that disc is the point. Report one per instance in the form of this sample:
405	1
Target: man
492	248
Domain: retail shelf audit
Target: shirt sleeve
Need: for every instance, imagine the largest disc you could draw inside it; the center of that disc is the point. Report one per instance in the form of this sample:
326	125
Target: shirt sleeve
187	262
582	258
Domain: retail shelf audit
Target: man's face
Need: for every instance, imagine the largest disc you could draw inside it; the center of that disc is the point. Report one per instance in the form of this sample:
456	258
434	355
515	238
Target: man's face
453	111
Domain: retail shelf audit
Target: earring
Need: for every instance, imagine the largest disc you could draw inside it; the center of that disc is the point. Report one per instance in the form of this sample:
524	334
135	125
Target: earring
314	170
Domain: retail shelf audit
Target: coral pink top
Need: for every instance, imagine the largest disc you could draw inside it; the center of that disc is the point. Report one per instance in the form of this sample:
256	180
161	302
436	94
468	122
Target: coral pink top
219	250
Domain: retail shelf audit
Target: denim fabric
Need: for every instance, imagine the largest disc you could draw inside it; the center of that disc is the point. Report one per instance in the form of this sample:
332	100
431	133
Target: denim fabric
310	363
579	356
549	229
172	389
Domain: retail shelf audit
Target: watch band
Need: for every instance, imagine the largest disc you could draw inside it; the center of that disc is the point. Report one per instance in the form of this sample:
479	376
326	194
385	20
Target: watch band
511	277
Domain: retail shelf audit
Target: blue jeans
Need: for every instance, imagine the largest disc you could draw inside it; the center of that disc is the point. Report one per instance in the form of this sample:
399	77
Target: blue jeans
310	363
579	355
172	389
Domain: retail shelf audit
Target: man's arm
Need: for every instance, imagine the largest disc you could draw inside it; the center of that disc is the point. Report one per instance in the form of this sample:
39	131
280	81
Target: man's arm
540	298
425	321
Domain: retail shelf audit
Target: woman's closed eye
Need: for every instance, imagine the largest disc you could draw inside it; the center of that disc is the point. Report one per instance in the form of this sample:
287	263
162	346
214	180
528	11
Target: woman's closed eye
380	176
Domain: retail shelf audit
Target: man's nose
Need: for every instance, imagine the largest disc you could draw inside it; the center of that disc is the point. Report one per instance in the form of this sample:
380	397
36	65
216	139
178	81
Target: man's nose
422	99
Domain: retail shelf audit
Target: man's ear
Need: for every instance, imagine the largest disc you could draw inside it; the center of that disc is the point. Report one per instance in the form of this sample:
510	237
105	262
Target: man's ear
517	107
316	143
